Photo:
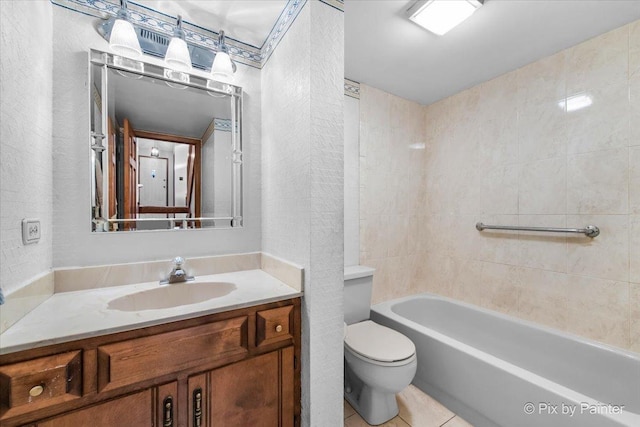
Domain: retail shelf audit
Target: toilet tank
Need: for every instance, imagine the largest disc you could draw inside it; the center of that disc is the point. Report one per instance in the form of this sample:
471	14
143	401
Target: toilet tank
358	283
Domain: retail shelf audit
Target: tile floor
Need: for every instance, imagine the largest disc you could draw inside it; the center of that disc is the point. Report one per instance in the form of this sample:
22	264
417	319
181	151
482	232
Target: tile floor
417	409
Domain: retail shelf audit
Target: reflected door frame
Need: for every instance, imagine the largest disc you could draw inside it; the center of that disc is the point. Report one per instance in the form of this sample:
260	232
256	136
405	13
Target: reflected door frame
130	176
194	185
166	185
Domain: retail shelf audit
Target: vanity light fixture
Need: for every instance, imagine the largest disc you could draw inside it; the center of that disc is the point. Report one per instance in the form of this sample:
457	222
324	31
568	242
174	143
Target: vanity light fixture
128	42
123	40
575	102
177	56
223	67
440	16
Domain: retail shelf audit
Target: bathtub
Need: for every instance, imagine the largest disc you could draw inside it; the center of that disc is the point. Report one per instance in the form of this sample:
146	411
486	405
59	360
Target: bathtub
496	370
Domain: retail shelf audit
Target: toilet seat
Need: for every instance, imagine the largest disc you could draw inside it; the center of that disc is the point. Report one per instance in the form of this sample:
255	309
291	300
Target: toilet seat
378	344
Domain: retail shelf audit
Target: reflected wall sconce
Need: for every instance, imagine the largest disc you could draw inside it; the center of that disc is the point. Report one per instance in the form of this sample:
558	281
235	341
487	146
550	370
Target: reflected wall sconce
155	152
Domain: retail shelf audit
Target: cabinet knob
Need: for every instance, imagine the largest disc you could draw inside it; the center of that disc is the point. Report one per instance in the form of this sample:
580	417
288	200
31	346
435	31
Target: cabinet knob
279	328
36	390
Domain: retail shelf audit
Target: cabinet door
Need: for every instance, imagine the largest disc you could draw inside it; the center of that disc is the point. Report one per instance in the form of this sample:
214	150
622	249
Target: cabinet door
133	410
250	393
197	401
166	405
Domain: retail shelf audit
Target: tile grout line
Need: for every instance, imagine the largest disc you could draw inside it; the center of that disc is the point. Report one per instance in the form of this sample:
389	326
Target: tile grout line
443	424
629	184
408	423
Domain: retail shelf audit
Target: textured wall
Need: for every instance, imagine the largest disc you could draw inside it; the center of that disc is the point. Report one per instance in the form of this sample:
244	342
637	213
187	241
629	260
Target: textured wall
26	190
303	145
74	244
505	152
323	299
285	145
217	168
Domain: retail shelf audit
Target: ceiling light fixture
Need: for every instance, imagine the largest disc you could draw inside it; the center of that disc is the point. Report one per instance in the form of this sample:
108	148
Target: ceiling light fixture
223	67
440	16
123	39
575	102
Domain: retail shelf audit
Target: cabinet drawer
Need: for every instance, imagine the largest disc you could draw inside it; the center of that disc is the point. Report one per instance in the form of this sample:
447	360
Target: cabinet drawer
274	325
134	410
133	361
42	382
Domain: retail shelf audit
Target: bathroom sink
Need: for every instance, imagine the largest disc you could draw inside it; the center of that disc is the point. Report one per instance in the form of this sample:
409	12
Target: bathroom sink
174	295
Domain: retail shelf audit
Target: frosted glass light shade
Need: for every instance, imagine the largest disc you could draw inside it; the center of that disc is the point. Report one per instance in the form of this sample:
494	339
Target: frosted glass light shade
123	39
177	56
222	67
440	16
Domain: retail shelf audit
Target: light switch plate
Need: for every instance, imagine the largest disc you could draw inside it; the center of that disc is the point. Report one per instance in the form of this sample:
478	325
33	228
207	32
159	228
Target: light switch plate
30	230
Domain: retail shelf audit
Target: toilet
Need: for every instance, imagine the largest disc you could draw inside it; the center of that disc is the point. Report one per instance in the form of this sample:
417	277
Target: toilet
379	362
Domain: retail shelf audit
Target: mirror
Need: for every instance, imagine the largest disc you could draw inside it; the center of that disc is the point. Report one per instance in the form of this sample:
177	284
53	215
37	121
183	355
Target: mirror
166	148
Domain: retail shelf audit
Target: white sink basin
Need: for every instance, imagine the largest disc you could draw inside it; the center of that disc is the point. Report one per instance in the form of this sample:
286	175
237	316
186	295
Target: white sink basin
174	295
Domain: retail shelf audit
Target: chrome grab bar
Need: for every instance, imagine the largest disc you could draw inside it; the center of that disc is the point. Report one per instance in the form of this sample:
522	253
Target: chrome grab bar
589	231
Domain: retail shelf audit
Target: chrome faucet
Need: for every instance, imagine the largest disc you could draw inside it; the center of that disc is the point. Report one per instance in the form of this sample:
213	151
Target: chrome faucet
177	274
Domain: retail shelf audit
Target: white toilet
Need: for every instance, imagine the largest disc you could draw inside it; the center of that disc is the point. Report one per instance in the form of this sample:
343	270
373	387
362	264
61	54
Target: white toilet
379	362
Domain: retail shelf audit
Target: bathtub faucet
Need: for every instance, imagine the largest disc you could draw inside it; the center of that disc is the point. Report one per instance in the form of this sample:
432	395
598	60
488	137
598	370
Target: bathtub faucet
177	274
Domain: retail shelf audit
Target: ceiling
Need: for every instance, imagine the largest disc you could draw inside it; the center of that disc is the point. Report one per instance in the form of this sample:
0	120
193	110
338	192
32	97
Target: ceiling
385	50
153	106
249	21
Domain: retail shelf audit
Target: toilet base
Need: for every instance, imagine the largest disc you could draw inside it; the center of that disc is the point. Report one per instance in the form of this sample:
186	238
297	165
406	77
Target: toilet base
375	407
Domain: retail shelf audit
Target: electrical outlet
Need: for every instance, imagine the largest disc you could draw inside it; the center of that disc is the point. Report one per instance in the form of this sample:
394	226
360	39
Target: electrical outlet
30	230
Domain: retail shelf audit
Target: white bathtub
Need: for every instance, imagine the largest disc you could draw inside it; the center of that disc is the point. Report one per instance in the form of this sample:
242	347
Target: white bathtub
496	370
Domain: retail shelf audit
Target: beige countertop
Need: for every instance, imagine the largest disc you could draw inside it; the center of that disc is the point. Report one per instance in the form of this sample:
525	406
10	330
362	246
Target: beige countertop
68	316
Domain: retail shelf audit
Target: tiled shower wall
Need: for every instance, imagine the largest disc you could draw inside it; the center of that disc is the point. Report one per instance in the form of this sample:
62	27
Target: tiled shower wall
392	190
505	152
351	181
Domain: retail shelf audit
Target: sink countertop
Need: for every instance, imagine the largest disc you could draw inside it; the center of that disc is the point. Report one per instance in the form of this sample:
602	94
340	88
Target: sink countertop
69	316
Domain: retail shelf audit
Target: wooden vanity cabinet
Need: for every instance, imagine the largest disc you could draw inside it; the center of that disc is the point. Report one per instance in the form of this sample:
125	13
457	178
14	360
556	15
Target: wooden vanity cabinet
237	368
252	392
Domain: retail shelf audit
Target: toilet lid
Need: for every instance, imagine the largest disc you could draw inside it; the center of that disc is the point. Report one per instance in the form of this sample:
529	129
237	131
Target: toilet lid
378	342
